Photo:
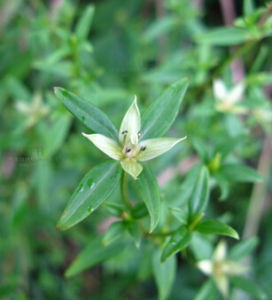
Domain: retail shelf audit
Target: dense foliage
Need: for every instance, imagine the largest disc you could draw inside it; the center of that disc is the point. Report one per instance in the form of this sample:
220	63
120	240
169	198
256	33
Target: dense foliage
193	222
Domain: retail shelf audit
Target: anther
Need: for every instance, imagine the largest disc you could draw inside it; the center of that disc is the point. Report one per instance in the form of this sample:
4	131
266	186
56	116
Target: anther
128	150
139	133
124	131
143	148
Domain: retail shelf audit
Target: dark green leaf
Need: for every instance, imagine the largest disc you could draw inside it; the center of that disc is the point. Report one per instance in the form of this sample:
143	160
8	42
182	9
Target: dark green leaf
148	189
216	227
161	114
200	194
240	173
243	248
134	232
164	274
179	241
114	232
93	254
87	113
96	186
207	291
248	286
84	24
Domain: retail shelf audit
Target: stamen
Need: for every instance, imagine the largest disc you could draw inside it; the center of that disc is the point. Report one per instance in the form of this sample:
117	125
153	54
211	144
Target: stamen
143	148
124	132
128	150
139	133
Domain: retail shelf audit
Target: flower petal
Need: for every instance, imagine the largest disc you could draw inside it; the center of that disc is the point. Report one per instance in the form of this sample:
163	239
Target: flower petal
131	167
220	252
154	147
236	93
219	89
105	144
131	124
205	266
222	283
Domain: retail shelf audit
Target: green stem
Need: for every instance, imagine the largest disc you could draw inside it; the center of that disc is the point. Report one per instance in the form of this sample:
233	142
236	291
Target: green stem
124	190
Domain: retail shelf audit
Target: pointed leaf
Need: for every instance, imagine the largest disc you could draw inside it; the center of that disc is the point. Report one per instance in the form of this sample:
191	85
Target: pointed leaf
207	291
93	254
179	241
148	189
87	113
161	114
134	232
243	248
114	232
84	24
216	227
248	286
96	186
164	274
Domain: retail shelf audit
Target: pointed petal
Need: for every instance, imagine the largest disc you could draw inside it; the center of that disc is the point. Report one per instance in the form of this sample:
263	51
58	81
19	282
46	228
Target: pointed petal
236	94
131	167
154	147
131	124
222	283
219	89
105	144
205	266
220	251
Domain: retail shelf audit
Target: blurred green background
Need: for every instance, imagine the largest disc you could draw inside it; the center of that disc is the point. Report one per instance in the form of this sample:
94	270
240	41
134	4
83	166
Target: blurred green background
106	52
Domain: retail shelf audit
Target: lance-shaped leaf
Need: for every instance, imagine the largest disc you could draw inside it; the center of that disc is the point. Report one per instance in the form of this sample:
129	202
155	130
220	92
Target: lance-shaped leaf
200	194
207	291
114	232
148	189
164	274
161	114
93	254
156	147
84	24
243	248
87	113
179	241
97	185
216	227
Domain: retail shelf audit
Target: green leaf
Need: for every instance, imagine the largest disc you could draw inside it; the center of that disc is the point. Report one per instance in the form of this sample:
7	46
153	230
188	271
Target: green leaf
207	291
164	274
87	113
134	232
96	186
161	114
148	189
248	7
114	232
179	241
84	24
240	173
93	254
224	36
200	194
248	286
243	248
216	227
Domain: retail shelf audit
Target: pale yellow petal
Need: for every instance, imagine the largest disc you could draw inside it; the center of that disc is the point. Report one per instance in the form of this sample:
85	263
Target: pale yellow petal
131	124
219	89
205	266
236	93
222	284
220	251
105	144
154	147
132	167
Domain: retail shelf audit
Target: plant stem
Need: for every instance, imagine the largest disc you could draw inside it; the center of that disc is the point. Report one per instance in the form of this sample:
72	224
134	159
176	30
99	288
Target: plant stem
124	190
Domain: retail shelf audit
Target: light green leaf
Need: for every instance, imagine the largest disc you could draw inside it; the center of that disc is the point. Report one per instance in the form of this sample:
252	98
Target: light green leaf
216	227
156	147
207	291
248	286
148	189
240	173
243	248
200	194
161	114
93	254
84	24
248	7
164	274
114	232
224	36
179	241
96	186
87	113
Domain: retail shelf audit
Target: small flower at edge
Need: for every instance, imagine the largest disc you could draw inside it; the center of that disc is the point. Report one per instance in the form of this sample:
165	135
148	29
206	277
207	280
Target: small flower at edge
128	149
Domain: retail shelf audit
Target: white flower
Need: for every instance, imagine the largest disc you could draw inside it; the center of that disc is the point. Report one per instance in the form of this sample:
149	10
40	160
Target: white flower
220	268
129	150
227	99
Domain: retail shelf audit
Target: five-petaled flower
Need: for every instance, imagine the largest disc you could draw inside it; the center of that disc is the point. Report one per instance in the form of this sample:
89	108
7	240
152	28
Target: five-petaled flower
129	149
